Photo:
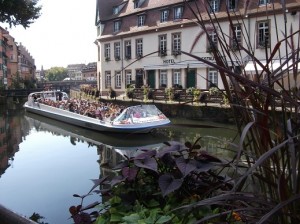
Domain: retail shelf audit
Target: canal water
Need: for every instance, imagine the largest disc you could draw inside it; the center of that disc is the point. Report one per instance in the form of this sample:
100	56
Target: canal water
44	162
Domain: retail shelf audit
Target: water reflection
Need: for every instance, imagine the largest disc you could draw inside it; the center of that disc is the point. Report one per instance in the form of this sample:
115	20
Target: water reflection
44	162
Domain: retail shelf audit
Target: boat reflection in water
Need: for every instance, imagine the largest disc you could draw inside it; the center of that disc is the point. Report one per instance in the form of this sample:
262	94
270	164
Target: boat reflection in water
111	147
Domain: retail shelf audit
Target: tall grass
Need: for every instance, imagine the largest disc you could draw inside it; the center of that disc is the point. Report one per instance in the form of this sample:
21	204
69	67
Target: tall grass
266	108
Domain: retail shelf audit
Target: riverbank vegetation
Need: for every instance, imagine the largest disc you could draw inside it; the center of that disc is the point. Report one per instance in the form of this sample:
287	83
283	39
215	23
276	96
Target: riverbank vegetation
184	184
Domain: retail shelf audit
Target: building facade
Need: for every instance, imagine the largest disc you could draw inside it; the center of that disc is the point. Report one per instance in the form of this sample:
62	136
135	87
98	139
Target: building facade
89	72
16	64
26	64
75	71
143	42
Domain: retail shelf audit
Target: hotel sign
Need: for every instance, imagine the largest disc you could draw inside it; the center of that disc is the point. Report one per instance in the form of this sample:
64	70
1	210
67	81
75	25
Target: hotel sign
169	61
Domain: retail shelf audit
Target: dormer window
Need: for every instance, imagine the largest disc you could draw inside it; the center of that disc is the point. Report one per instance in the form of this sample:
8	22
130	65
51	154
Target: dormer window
164	15
115	10
117	26
232	5
214	6
141	20
178	12
264	2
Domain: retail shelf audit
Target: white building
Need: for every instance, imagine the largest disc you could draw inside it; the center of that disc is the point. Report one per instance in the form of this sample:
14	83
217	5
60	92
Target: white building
74	71
144	41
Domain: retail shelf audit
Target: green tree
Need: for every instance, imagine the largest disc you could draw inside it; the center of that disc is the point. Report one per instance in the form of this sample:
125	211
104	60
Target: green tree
56	74
19	12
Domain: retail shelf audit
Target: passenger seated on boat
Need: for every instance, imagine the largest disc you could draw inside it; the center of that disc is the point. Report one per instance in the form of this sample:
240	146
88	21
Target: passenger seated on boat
137	114
71	107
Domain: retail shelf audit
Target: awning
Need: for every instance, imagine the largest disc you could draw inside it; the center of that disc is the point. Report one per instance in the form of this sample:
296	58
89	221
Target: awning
275	64
178	65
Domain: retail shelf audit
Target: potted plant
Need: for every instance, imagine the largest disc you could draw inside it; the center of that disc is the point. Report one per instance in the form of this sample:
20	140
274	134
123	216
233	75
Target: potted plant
129	90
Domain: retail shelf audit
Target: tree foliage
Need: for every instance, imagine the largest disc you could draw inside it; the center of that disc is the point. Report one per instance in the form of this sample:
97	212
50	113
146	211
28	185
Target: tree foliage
56	74
19	12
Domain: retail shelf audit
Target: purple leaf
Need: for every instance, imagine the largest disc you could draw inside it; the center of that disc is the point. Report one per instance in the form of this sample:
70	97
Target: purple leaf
168	184
147	163
185	166
116	180
129	173
169	149
147	154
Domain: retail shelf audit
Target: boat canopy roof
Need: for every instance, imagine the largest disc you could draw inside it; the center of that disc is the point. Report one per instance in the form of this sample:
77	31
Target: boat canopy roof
139	114
52	95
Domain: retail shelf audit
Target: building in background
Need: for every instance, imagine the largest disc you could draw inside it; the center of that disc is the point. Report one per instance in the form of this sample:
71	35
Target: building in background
16	64
4	48
89	72
75	71
26	64
141	42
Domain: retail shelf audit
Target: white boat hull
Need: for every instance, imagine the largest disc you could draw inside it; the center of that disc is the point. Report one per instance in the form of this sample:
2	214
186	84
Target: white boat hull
92	123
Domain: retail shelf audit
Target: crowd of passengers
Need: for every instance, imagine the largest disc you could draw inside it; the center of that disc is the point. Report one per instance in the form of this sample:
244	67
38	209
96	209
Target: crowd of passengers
99	110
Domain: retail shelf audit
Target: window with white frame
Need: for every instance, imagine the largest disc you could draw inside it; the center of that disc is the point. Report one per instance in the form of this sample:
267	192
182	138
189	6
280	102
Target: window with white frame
176	77
107	52
118	80
141	20
212	77
128	78
178	12
117	26
127	44
236	38
164	15
162	45
176	43
214	6
263	38
163	78
139	48
264	2
212	41
107	79
232	5
117	51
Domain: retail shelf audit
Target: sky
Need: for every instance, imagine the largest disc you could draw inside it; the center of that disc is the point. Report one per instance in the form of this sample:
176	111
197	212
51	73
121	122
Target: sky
64	34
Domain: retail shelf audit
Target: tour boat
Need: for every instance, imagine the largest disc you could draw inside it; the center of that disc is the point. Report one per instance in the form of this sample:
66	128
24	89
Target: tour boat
134	119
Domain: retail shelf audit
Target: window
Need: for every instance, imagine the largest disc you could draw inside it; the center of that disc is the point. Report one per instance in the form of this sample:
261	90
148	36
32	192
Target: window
107	79
212	77
128	78
212	41
107	52
264	2
141	20
214	6
117	51
176	77
164	15
232	5
118	80
263	39
176	43
117	26
178	12
139	48
136	3
163	78
162	45
128	49
115	10
236	38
